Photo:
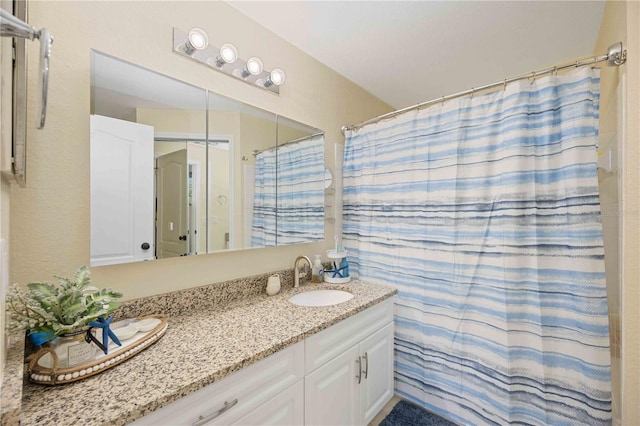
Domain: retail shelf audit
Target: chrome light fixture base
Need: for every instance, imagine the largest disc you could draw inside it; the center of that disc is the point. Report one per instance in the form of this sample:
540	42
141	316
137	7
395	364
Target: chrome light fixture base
208	57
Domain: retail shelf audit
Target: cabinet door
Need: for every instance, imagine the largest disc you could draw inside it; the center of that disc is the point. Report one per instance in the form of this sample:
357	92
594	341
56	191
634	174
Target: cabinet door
331	392
377	372
286	408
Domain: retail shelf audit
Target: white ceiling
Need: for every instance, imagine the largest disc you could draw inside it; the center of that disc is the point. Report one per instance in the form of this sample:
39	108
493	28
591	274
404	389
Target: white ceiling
406	52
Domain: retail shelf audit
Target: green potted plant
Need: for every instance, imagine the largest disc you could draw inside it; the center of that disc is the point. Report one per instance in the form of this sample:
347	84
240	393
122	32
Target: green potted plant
50	312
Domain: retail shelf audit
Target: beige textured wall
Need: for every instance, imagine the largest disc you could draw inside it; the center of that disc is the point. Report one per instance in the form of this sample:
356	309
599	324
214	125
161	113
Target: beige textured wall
631	226
5	161
620	23
50	218
611	145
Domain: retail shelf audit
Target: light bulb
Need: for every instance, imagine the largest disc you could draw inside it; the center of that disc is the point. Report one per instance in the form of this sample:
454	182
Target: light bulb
228	54
277	78
197	40
254	67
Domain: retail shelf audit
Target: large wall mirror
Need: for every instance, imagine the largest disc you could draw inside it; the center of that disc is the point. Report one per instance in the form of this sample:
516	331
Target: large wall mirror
177	170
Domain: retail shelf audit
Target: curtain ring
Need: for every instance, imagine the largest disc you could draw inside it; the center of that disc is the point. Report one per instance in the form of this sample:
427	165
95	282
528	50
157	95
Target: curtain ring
504	86
443	101
534	77
472	92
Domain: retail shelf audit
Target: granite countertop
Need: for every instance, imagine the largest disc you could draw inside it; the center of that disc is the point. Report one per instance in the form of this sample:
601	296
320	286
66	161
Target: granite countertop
199	348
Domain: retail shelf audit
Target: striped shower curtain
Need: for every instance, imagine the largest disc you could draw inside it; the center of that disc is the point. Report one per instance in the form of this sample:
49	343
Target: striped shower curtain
484	213
263	230
301	191
289	194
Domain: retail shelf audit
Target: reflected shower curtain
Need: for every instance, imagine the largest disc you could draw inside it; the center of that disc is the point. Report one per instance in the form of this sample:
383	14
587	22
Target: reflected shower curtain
263	230
484	213
292	210
301	191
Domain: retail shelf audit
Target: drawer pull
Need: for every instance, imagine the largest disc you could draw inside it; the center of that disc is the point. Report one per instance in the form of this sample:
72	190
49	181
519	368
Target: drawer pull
227	406
359	375
366	364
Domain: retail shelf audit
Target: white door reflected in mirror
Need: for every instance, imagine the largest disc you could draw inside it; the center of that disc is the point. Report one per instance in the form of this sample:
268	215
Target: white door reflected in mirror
121	157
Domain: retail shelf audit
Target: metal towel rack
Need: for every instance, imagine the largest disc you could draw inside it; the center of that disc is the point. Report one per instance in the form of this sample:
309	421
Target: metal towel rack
10	26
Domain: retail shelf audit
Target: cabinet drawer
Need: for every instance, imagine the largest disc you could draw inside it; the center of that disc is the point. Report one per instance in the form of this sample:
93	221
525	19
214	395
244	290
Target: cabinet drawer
284	409
327	344
229	399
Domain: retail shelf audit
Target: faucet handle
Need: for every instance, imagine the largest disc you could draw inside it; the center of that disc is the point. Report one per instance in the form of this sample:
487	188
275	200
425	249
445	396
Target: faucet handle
297	273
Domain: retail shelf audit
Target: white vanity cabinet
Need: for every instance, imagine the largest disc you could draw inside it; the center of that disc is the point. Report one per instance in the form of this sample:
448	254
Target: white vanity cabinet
243	393
341	375
354	385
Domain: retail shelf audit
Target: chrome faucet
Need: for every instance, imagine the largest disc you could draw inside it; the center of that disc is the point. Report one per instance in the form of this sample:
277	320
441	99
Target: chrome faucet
296	271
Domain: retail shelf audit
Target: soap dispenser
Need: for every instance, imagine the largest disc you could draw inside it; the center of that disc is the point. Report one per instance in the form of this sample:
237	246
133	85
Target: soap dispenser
316	270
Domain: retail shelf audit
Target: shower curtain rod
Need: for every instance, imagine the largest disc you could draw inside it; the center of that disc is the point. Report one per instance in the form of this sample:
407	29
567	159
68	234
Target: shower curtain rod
304	138
615	56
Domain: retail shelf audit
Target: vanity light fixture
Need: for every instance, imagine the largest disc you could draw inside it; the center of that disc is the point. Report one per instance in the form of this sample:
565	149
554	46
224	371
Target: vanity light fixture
195	46
228	55
197	40
254	66
276	77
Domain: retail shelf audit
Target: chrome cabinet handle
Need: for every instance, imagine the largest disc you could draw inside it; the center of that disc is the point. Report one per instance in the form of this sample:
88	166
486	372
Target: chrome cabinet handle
227	406
366	365
359	375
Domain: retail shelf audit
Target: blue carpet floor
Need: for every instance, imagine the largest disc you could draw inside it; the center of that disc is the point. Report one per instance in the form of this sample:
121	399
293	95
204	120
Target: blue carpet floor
407	414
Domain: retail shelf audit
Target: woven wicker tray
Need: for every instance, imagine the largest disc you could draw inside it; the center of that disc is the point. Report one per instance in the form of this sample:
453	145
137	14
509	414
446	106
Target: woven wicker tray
41	370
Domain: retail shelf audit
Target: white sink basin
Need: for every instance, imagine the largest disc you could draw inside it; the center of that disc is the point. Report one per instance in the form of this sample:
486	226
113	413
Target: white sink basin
320	298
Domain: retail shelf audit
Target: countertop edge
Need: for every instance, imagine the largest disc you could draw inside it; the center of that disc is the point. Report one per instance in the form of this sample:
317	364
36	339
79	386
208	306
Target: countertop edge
222	374
12	378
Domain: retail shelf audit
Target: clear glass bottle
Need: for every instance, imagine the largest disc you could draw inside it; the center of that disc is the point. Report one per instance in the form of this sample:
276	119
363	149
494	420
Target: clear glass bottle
316	270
